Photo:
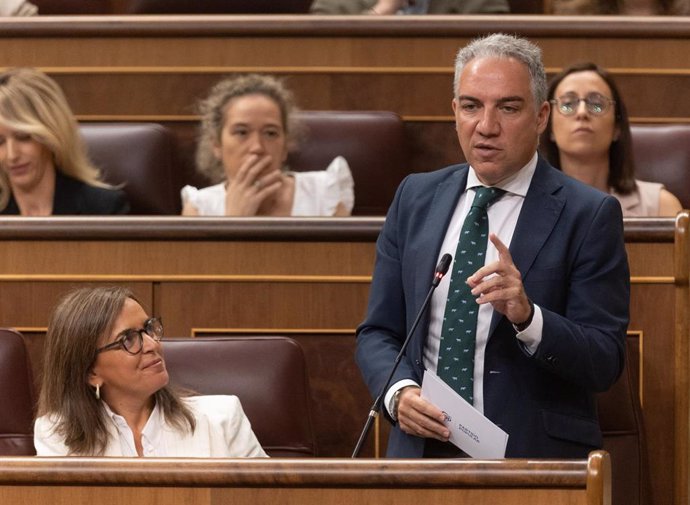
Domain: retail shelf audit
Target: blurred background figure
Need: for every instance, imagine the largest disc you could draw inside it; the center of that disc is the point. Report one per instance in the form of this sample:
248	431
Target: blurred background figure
44	167
588	137
217	6
626	7
105	389
247	128
17	8
387	7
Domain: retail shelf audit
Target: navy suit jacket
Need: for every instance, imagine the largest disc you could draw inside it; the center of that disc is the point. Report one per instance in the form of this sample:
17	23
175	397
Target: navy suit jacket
568	245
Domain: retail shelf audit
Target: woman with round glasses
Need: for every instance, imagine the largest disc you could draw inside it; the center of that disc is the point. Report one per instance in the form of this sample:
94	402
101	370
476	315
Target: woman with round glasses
105	389
588	137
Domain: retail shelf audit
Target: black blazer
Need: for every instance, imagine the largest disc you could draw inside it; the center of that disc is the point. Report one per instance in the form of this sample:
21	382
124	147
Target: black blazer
73	197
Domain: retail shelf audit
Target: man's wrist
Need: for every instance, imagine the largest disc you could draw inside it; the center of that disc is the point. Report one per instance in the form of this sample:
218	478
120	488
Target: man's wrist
396	402
524	325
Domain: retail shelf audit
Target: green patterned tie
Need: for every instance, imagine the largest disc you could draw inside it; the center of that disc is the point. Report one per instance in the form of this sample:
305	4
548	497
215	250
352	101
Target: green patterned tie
456	350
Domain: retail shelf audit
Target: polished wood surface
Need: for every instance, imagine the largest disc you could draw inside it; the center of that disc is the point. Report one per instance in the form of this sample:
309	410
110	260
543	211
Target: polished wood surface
154	68
309	279
165	62
304	482
681	379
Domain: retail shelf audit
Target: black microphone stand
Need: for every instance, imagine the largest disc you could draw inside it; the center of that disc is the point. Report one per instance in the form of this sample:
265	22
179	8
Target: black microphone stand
441	270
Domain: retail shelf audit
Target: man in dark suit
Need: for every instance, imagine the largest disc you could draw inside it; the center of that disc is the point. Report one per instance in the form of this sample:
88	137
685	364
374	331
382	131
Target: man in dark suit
552	303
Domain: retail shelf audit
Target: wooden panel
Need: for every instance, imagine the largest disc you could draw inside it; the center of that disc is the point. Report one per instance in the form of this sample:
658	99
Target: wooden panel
397	64
230	276
155	68
681	380
108	481
70	495
162	96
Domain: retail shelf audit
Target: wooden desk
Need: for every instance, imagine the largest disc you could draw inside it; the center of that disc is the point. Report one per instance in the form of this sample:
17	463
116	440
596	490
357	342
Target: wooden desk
309	279
77	481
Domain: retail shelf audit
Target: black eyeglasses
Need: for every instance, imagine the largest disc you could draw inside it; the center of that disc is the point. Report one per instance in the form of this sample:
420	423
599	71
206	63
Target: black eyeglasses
132	340
595	103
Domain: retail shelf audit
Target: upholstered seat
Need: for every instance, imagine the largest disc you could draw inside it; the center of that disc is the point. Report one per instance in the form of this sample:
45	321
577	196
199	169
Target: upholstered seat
662	154
372	142
269	376
53	7
16	396
526	6
141	158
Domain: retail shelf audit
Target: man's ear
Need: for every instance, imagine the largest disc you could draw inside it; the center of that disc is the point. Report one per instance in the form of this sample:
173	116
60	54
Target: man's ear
543	117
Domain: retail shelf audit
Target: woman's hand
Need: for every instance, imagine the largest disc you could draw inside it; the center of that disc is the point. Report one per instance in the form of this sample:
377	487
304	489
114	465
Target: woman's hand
252	186
387	7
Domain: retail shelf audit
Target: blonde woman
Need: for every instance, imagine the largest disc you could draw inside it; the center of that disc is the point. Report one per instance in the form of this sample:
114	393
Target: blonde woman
44	168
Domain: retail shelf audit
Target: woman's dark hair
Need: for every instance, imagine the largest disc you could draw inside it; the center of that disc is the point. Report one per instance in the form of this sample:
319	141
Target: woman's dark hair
621	164
74	331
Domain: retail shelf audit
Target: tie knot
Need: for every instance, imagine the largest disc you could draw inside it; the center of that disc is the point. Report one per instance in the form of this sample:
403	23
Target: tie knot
484	196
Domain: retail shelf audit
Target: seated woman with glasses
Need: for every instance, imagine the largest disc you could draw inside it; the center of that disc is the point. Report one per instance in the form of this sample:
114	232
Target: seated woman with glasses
588	137
105	389
247	126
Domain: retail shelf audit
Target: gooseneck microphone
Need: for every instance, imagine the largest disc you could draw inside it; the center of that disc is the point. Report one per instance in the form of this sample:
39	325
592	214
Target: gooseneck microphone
441	270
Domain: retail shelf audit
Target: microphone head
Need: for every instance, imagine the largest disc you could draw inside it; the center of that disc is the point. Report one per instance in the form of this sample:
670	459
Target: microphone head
442	268
444	264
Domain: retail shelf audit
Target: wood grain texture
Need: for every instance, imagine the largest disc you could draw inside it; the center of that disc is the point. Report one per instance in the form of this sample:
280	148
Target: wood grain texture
145	481
233	277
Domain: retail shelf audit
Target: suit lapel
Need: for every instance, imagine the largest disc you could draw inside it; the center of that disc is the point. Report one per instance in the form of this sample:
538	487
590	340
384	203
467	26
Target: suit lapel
435	227
540	212
429	244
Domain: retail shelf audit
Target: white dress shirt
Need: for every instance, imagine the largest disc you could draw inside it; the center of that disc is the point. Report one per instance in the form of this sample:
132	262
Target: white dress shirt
222	431
503	215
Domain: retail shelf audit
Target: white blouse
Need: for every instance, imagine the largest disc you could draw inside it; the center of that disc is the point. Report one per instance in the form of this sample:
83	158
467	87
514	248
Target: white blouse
317	193
222	431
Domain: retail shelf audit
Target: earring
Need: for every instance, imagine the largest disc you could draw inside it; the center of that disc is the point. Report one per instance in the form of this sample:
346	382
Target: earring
98	391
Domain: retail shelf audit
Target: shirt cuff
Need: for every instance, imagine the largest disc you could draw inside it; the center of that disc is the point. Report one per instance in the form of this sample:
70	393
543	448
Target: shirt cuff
531	336
388	399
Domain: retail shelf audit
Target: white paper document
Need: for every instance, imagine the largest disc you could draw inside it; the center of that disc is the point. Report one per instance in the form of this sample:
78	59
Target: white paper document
469	429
